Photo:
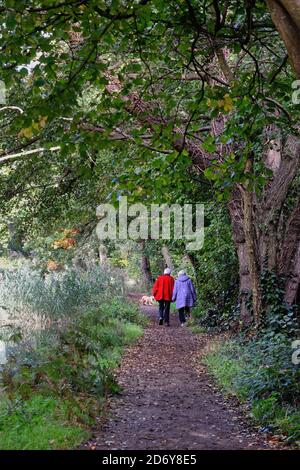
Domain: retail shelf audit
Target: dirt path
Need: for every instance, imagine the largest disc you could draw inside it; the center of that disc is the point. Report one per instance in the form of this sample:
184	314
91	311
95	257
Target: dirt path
168	401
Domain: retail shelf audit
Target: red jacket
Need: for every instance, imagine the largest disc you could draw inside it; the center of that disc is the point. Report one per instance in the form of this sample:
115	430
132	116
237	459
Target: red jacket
163	287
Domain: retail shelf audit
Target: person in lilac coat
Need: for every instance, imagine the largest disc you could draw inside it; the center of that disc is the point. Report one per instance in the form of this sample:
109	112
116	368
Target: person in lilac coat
184	294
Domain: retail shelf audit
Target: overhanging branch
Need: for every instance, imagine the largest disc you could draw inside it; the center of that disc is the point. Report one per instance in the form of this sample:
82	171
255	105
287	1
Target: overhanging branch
29	152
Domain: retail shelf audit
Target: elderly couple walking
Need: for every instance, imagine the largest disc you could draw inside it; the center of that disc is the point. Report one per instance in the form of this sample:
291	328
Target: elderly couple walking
167	290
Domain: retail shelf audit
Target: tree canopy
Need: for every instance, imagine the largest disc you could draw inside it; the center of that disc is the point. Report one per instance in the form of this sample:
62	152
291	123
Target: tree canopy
161	101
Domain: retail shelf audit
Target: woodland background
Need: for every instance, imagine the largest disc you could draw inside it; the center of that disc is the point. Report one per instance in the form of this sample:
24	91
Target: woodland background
165	102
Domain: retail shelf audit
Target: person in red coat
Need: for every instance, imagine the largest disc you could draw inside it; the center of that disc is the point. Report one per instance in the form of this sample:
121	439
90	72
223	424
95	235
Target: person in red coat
162	292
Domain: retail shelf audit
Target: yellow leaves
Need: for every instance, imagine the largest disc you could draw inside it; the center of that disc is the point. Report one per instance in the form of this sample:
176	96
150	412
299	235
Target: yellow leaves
26	132
64	243
226	103
68	232
43	121
139	190
35	127
40	124
67	241
52	265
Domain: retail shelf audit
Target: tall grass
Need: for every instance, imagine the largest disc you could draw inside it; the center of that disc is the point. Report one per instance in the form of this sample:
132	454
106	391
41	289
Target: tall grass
75	325
35	304
51	399
25	292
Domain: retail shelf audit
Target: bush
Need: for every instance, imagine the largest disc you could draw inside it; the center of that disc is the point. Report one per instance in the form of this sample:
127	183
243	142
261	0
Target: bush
261	372
269	368
217	319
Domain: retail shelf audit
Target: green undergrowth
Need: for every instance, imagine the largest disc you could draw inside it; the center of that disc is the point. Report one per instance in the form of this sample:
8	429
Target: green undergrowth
260	372
41	422
196	329
51	396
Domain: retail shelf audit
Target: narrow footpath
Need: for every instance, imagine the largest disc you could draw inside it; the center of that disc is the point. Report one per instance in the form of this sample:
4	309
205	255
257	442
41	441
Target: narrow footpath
168	401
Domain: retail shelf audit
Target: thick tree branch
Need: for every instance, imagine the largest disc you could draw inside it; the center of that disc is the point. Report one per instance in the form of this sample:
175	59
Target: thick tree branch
286	17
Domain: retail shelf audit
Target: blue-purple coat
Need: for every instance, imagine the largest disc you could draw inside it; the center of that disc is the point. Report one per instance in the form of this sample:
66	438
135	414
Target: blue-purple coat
184	292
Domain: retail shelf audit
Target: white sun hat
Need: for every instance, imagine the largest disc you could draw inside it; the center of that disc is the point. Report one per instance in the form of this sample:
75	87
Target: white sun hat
167	271
182	272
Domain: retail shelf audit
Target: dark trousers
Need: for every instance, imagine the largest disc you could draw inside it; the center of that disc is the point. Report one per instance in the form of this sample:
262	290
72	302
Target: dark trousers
183	313
164	310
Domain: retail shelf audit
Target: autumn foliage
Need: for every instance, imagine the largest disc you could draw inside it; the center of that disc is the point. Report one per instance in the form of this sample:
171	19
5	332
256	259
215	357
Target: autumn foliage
67	241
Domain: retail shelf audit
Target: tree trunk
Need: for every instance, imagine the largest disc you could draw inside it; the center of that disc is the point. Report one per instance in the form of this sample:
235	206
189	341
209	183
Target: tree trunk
289	264
286	17
167	257
191	259
293	279
145	267
252	254
235	208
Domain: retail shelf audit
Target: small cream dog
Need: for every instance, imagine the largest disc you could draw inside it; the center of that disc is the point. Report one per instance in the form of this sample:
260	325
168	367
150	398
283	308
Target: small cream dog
147	300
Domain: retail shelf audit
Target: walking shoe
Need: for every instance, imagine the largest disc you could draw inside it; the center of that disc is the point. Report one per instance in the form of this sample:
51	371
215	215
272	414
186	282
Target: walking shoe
182	324
161	322
167	324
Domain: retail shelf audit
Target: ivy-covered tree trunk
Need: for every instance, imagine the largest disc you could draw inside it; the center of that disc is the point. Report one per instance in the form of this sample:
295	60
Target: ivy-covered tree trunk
251	244
237	222
266	231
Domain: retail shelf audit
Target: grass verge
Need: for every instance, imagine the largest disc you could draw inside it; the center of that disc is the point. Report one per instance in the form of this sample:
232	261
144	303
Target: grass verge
51	397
